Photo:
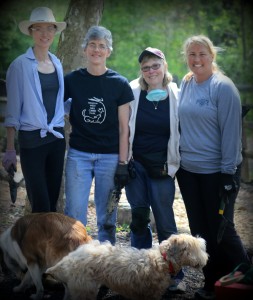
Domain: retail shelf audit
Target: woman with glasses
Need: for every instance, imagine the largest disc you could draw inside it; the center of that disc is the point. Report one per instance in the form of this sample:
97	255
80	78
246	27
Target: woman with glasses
35	108
154	152
98	98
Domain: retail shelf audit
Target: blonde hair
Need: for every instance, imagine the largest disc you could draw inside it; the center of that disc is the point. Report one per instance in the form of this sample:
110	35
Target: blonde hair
206	42
167	76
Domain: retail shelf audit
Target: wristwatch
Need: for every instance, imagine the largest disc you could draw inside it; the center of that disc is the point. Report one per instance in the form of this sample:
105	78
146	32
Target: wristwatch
123	162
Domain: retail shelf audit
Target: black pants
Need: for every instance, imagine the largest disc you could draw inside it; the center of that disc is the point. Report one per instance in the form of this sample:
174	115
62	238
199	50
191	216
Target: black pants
200	193
42	168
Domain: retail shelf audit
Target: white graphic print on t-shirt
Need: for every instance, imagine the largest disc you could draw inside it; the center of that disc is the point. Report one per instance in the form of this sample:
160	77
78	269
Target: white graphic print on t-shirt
96	112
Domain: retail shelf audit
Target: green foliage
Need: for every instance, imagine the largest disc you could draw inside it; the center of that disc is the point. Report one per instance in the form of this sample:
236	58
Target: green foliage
136	25
166	24
12	41
88	229
123	228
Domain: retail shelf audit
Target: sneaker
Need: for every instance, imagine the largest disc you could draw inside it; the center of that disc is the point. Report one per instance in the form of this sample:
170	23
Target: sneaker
203	294
177	285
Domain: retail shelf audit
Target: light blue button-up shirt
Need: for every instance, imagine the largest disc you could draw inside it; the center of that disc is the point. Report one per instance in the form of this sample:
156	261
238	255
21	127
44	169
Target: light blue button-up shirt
25	109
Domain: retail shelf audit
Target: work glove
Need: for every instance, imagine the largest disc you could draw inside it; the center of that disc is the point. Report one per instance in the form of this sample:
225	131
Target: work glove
121	177
228	184
9	159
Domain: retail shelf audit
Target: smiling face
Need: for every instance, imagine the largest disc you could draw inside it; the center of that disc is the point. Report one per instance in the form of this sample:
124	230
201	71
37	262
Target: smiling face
97	52
199	60
43	34
153	71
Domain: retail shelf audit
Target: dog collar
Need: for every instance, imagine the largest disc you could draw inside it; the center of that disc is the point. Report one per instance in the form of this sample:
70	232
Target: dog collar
171	268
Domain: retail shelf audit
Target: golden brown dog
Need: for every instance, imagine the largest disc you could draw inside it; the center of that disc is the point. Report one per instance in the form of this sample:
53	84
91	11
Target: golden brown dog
38	241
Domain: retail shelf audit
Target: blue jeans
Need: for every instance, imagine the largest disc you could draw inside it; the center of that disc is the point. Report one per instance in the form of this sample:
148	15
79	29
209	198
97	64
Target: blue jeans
81	168
144	192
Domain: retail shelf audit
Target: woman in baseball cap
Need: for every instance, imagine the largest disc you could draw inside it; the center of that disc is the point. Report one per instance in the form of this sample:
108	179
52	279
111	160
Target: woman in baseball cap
154	140
35	110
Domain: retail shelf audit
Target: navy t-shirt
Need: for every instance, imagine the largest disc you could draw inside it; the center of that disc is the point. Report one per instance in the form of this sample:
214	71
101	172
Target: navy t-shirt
94	109
152	131
49	88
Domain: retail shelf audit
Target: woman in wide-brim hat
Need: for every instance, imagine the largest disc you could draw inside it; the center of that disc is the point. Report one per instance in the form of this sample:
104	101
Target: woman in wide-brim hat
35	89
41	15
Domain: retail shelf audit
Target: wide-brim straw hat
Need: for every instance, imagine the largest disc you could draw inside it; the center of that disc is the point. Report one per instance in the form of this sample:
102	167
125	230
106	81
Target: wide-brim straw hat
41	15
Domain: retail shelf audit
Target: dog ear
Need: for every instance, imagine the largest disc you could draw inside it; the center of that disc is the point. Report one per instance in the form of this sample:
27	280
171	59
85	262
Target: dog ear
164	246
174	243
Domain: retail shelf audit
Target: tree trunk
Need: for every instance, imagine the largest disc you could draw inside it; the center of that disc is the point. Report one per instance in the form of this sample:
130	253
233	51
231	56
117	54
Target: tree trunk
80	16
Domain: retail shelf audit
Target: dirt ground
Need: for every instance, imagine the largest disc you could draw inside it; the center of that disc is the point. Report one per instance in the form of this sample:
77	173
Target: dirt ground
193	279
243	210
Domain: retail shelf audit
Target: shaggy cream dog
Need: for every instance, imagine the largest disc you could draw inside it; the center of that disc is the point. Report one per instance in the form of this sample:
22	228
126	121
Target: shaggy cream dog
36	242
135	274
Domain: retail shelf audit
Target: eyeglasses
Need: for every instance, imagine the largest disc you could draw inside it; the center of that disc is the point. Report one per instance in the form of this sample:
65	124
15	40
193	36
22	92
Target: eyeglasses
100	47
153	67
49	29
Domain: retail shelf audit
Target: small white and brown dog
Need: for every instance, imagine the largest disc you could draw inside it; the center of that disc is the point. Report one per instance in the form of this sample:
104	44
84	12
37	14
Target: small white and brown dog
36	242
135	274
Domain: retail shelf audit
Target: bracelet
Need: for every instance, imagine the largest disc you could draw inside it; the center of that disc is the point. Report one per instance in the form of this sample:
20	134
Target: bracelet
123	162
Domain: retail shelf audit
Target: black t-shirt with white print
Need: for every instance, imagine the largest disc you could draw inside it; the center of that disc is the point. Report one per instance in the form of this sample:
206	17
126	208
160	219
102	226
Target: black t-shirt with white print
94	109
